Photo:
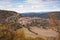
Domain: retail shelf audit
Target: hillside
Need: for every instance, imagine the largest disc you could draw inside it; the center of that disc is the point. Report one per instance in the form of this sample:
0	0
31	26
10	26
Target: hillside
4	14
28	25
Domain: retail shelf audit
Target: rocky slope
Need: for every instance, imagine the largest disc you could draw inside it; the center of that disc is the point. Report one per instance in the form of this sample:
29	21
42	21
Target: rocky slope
4	14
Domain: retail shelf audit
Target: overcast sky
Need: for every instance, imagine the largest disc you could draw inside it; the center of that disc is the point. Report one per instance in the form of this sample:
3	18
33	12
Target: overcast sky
30	5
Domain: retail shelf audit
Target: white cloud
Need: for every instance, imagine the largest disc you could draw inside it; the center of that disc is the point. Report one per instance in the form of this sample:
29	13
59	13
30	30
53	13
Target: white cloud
38	6
29	6
34	1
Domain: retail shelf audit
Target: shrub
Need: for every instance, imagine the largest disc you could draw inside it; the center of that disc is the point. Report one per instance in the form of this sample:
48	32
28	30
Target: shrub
5	33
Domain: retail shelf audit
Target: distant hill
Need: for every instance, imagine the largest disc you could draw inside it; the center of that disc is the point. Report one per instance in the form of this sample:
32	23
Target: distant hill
34	14
41	15
4	14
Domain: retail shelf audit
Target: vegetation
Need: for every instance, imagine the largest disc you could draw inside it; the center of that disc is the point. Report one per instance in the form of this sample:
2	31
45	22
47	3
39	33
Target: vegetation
5	14
11	30
7	33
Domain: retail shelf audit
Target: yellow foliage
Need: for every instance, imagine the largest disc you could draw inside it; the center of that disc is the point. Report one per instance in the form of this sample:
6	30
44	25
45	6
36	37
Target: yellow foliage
37	38
20	32
5	33
20	35
29	38
17	35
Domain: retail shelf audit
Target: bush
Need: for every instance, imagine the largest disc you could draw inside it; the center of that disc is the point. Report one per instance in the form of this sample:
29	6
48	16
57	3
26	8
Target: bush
5	34
19	35
9	34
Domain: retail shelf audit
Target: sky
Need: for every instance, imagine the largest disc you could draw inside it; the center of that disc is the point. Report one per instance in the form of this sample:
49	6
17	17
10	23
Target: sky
23	6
